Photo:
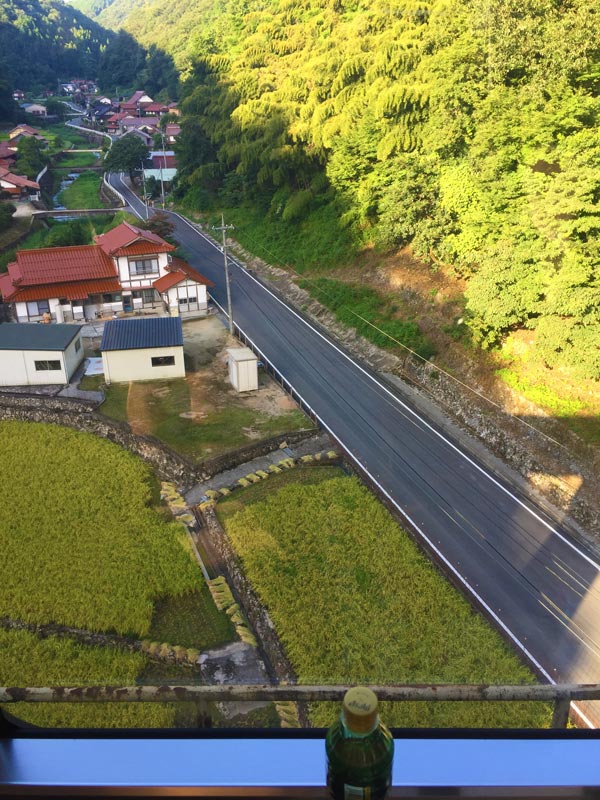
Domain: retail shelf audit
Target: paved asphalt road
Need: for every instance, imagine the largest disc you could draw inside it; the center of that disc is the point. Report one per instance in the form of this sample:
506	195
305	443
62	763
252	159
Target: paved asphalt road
516	563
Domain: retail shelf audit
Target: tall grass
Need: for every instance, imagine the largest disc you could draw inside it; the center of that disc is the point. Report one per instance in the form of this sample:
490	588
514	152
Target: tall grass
372	315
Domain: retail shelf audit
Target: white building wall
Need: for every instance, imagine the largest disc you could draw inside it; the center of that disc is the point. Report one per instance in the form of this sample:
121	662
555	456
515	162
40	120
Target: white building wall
141	281
13	370
122	366
188	289
73	355
17	368
22	315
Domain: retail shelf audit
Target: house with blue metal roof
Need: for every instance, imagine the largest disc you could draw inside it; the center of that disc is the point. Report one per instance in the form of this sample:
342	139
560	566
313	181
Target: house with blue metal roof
34	354
142	349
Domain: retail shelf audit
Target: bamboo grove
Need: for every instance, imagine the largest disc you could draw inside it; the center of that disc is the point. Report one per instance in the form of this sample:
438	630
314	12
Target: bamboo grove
464	128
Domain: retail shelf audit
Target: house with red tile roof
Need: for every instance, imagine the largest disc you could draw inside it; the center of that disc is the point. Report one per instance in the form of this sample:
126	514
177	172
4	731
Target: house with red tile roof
22	131
136	102
117	274
172	131
18	186
183	289
7	153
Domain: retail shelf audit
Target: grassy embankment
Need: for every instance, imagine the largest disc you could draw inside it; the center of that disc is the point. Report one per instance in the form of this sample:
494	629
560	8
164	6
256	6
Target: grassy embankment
322	250
354	600
87	545
84	192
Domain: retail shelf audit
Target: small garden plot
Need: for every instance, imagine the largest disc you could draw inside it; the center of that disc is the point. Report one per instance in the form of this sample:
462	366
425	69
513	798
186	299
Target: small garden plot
201	415
355	601
81	541
26	660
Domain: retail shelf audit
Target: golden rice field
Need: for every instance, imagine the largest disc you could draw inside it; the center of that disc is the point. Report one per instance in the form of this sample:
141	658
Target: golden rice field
355	601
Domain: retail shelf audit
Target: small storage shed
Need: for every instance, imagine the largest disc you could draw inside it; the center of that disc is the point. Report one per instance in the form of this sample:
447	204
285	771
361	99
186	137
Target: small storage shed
142	349
243	369
35	354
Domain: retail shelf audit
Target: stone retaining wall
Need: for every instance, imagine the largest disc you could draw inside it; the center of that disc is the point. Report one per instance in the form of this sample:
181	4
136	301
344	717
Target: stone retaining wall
168	465
82	416
274	656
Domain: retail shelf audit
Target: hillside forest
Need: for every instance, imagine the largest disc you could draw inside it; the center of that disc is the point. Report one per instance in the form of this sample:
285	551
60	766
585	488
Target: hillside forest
467	129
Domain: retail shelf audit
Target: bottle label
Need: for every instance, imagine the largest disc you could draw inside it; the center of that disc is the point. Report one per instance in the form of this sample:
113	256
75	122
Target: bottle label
357	792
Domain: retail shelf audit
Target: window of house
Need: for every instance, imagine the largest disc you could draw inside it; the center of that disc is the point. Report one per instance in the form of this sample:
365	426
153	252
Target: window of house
113	297
36	308
143	266
78	345
163	361
42	366
183	301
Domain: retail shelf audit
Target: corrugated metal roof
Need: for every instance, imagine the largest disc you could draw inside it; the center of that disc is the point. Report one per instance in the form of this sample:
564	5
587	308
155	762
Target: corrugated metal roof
33	336
135	334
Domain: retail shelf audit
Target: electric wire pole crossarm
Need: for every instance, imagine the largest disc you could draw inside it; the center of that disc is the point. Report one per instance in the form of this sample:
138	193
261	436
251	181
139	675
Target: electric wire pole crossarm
224	228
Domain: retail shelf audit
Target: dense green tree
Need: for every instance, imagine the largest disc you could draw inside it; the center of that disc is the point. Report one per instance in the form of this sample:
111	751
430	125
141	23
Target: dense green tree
466	129
31	158
8	107
121	63
126	155
44	41
6	212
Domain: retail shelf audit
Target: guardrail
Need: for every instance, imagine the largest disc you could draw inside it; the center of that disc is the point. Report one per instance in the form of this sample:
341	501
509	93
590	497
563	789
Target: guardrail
561	695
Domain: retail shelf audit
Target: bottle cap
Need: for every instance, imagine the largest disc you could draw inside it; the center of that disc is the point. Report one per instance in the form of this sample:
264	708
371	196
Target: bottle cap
360	709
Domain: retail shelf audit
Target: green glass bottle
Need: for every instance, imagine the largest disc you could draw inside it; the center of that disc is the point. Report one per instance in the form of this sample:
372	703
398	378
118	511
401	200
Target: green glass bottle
359	750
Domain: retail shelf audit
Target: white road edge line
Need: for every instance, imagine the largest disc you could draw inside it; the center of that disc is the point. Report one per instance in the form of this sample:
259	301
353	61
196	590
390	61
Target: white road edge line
423	535
440	555
404	405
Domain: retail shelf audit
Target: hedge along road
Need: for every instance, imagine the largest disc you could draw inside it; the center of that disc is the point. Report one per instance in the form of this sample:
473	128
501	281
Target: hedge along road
538	585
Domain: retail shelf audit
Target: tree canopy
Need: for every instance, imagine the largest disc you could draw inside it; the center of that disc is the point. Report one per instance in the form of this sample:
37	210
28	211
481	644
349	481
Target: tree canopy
466	129
126	154
43	41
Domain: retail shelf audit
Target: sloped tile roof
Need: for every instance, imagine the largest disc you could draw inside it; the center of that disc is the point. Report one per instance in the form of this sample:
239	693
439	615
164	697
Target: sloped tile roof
62	264
17	180
136	334
180	271
75	290
143	248
126	234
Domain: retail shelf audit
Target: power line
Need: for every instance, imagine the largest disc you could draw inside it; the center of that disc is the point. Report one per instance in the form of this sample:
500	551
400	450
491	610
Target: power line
410	351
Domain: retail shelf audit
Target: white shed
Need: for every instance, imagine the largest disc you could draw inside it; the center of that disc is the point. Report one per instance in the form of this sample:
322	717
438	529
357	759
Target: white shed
243	369
37	354
142	349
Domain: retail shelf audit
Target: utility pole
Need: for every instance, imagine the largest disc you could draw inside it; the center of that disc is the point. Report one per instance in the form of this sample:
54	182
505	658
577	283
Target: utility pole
223	228
144	189
164	161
